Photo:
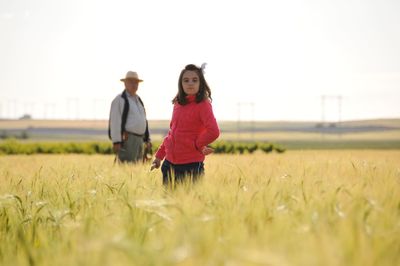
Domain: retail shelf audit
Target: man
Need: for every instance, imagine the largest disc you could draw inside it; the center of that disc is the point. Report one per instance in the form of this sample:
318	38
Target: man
128	126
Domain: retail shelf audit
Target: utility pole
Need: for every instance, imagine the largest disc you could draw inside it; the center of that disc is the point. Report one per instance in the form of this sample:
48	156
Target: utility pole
324	101
323	110
340	108
12	107
73	103
250	120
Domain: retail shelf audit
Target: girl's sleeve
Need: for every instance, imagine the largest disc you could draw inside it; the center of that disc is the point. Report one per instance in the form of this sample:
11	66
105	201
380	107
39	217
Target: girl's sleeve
211	131
160	154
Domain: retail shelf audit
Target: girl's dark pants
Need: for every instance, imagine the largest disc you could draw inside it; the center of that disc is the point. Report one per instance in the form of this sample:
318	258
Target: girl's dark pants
181	172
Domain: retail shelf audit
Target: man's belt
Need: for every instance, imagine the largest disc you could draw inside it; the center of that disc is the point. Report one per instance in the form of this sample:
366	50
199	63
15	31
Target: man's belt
137	135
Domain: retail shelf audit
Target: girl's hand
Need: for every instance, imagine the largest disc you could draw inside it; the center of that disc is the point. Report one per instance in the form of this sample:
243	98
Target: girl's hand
207	150
156	164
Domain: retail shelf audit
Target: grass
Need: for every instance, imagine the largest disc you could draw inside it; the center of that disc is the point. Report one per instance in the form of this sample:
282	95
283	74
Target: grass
297	208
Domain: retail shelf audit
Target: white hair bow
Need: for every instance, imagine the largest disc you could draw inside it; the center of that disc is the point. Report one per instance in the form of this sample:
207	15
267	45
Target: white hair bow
203	66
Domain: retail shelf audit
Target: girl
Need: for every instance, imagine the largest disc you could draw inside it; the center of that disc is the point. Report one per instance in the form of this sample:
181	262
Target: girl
192	128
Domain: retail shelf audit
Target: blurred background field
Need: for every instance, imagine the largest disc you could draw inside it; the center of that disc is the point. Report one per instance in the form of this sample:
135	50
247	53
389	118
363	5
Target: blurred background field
367	134
297	208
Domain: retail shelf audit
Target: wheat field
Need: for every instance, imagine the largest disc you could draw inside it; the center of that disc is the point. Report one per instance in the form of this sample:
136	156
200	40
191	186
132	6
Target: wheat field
297	208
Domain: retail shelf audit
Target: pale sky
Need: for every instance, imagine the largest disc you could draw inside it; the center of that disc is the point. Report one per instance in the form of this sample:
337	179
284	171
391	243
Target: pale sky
266	60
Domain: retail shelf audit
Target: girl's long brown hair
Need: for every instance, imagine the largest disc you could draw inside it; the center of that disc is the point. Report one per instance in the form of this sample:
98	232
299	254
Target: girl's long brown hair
204	90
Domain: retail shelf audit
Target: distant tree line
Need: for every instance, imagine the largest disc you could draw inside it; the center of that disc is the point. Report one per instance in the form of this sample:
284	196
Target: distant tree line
13	146
8	135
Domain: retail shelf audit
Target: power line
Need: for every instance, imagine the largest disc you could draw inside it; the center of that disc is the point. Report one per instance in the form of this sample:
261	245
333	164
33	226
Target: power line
240	106
73	104
324	99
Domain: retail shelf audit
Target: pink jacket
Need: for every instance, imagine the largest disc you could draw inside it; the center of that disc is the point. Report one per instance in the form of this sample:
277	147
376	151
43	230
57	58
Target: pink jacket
192	127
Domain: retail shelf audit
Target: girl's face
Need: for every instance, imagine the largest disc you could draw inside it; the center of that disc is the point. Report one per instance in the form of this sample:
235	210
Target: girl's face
190	82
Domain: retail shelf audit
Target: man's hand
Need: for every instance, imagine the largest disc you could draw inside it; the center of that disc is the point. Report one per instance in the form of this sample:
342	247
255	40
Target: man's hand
148	145
207	150
116	147
147	152
156	164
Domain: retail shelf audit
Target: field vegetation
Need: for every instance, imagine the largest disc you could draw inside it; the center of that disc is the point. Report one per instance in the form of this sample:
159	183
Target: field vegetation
12	146
294	208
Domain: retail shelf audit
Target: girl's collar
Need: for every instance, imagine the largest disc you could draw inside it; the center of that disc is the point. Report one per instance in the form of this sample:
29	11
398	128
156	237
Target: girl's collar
191	98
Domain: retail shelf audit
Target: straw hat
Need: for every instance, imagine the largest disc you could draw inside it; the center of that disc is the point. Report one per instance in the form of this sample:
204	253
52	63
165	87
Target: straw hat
131	75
